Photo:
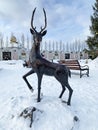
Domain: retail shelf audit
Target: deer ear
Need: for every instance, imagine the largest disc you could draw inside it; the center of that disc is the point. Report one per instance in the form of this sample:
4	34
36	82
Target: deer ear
44	33
32	32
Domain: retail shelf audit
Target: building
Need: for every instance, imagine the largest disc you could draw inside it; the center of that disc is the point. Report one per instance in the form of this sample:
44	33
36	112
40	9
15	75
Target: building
14	51
56	50
61	55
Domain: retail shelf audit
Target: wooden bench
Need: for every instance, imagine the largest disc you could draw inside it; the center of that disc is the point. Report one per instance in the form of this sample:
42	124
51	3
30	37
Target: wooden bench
75	65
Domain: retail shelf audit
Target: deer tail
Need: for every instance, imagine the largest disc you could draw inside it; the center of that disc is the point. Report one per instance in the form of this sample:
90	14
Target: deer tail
69	73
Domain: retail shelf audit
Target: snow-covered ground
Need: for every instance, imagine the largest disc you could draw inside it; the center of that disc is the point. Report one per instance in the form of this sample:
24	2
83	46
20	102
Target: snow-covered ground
53	115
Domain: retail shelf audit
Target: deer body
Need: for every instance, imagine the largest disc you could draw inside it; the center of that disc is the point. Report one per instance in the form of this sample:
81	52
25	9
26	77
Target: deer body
41	66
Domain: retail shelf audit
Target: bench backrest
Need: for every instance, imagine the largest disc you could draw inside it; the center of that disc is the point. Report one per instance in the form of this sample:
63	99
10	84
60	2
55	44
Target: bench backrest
72	64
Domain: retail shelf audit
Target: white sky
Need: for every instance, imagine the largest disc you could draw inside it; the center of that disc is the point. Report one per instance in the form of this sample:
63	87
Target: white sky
67	19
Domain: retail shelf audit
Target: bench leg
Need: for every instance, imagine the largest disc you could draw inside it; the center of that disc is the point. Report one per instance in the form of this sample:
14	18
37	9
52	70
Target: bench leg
88	73
80	74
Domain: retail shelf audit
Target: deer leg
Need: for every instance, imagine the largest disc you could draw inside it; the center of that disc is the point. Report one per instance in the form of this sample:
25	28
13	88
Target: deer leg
25	79
39	87
59	77
63	89
70	94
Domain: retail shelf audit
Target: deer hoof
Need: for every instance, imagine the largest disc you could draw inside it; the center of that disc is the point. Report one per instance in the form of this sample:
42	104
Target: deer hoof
38	100
68	103
32	90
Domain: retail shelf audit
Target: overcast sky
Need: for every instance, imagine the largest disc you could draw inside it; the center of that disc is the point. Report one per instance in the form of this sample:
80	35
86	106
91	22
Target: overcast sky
66	19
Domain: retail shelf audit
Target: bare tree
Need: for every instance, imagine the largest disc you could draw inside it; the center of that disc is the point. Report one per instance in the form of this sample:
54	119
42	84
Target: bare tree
60	48
45	46
27	42
67	47
56	46
22	40
49	46
1	40
7	41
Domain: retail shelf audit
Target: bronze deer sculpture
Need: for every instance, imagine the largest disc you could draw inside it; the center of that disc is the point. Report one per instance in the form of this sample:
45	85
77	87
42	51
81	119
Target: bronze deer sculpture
41	66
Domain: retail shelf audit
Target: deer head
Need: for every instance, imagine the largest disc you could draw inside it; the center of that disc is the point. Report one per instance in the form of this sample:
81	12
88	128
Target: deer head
37	36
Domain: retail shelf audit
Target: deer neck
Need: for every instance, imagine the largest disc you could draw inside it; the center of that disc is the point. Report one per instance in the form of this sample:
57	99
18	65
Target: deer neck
35	53
36	50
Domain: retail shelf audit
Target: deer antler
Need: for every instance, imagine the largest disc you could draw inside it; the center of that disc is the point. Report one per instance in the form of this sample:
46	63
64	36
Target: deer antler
42	29
32	20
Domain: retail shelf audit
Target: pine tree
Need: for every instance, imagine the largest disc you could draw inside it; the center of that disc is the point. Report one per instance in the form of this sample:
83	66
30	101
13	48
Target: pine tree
92	40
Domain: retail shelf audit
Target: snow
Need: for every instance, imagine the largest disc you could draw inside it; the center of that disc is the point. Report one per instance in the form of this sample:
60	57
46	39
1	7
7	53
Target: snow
53	115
